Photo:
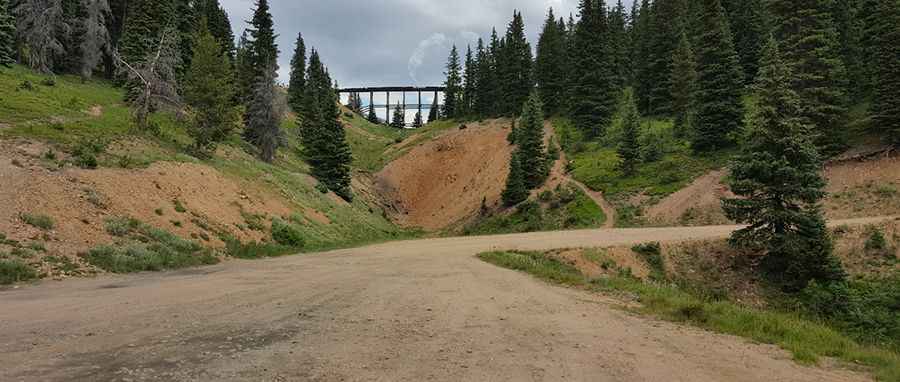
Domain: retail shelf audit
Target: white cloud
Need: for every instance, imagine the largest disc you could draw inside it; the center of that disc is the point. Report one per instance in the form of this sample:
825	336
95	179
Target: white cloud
436	40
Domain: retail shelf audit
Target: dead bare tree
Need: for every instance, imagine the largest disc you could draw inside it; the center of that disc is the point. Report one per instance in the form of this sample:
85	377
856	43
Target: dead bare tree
40	23
95	40
154	79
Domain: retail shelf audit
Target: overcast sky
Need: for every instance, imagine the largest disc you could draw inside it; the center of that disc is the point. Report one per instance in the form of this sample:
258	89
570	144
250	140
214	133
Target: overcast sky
391	42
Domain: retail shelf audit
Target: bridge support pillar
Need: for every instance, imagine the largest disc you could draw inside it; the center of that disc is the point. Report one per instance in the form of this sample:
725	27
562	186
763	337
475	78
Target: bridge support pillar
420	103
387	109
371	102
404	108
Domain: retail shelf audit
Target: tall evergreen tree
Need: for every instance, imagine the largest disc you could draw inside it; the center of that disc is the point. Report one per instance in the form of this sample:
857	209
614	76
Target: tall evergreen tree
42	29
209	91
262	51
296	88
619	43
810	45
779	186
417	121
371	116
640	40
849	26
886	63
684	85
486	92
453	84
186	22
7	35
399	119
750	25
550	65
666	22
219	24
593	86
262	119
719	82
530	141
324	138
145	23
515	68
629	149
470	82
515	191
95	38
434	113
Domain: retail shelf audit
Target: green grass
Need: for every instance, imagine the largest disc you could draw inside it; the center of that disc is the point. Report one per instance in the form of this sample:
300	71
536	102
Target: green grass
43	222
806	339
13	271
146	248
565	208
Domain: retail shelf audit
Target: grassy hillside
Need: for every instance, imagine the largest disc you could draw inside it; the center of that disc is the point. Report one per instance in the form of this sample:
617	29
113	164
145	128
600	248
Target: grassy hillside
85	122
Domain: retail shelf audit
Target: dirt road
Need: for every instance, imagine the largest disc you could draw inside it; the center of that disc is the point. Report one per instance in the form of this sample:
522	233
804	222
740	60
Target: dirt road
404	311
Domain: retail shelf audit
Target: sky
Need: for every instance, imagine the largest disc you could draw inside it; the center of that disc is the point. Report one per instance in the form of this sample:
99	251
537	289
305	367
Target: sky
391	42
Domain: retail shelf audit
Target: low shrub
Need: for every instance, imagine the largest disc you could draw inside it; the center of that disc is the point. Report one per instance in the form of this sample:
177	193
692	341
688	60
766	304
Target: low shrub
13	271
286	234
652	254
43	222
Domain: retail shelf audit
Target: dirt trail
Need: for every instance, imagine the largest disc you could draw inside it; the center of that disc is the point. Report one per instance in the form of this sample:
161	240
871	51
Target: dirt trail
402	311
598	198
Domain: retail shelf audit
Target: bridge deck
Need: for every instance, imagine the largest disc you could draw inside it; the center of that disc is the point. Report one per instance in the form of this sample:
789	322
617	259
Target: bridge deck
383	89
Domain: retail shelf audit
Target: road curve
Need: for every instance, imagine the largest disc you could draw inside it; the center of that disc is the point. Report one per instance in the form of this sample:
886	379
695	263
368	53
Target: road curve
401	311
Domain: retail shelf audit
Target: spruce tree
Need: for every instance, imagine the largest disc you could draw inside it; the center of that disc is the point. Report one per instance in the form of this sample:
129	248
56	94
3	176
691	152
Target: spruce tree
398	121
486	93
434	113
262	120
810	44
684	85
453	84
515	191
593	86
296	88
470	78
719	82
262	52
94	36
7	35
619	43
515	67
530	141
779	186
550	65
417	122
664	27
886	68
42	27
629	149
209	92
371	116
750	25
219	24
641	36
324	138
145	24
185	22
849	25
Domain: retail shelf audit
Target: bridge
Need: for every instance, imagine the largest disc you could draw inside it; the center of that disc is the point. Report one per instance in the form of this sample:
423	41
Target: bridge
396	89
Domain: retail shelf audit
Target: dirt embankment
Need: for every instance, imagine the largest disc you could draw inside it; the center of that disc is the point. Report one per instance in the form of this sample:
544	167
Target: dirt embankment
189	200
446	179
855	189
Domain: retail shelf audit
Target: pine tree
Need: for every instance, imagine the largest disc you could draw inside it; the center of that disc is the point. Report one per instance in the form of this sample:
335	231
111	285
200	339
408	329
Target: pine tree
185	21
515	67
515	191
7	35
262	120
95	40
550	65
417	122
296	88
719	82
810	44
640	36
779	186
665	25
629	150
530	141
849	26
147	19
371	116
749	25
486	92
593	89
434	113
42	28
398	121
619	44
684	85
219	24
886	63
470	79
324	138
453	84
262	52
209	91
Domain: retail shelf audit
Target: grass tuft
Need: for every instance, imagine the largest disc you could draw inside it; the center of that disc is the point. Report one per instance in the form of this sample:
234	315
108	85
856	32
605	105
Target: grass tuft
43	222
13	271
